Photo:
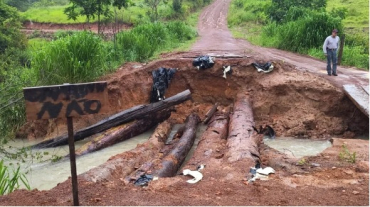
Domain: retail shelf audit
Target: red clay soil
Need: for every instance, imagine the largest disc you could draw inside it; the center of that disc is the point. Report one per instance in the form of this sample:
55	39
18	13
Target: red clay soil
297	99
107	28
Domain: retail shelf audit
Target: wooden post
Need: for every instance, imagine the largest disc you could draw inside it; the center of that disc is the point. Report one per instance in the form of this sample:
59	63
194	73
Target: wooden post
72	158
341	49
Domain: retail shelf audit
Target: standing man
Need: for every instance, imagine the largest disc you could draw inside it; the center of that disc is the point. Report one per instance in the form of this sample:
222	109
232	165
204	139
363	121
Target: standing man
330	48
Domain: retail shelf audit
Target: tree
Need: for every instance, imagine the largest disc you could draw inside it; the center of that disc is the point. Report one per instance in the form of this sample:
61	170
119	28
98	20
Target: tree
21	5
92	8
177	5
10	34
153	5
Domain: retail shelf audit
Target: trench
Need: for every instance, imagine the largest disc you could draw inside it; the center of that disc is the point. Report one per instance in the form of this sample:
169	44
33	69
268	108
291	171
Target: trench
46	175
296	104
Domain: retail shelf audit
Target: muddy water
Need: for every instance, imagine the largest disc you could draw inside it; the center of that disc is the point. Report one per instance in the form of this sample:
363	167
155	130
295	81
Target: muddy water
298	147
46	175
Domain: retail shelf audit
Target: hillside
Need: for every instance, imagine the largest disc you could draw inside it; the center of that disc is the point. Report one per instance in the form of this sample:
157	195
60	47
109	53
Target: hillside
357	15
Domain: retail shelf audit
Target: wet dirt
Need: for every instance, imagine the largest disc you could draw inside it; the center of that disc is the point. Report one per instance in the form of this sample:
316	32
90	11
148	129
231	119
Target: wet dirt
49	28
296	99
278	98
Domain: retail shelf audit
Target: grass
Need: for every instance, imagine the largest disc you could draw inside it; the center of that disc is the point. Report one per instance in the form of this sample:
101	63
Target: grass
346	155
77	58
145	41
135	14
10	181
51	14
357	15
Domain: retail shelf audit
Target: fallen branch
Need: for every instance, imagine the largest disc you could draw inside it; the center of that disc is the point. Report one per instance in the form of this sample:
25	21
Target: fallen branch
136	112
123	132
125	163
210	113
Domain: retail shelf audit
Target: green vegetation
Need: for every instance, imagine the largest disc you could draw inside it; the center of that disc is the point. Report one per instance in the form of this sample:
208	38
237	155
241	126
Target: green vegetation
346	155
137	12
302	162
13	57
144	41
299	26
357	17
10	181
73	57
81	57
70	56
53	14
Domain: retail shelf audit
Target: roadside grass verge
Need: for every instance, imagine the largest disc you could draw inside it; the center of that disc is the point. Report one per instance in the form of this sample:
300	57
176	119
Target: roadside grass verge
305	35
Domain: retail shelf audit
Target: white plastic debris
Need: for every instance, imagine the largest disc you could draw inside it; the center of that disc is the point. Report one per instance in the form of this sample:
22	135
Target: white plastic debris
260	173
196	174
226	70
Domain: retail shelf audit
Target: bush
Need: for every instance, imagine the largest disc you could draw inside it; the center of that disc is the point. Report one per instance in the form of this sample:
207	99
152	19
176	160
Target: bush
177	6
10	35
298	36
278	9
142	42
355	56
247	11
80	57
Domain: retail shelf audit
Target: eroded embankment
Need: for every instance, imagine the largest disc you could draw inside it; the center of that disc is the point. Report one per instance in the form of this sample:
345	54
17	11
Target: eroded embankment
295	103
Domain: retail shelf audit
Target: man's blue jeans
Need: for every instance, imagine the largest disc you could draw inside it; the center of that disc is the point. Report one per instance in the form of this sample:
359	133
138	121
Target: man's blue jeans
332	58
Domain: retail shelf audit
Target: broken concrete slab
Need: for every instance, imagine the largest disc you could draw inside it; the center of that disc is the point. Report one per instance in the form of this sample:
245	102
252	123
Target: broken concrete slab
359	96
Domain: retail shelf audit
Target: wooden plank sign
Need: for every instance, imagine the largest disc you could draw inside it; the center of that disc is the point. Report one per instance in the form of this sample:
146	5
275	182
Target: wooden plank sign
68	100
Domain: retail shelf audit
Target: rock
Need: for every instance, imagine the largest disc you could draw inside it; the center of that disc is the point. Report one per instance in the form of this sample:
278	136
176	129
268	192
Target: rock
315	165
355	192
219	156
349	134
229	176
310	122
362	166
348	172
343	191
208	153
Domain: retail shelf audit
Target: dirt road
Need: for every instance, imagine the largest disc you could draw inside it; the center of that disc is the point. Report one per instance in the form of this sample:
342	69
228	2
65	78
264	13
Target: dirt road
279	97
215	38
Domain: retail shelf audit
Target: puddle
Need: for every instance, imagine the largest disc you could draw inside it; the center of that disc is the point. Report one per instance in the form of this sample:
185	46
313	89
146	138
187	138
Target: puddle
173	132
298	148
46	175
